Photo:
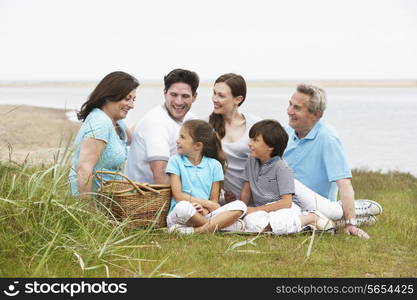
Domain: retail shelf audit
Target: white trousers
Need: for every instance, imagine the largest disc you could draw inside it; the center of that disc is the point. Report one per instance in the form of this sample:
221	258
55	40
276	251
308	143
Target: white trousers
282	221
184	210
308	200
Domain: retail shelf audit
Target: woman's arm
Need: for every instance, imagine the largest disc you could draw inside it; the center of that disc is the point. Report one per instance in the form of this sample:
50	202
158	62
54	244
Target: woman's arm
89	155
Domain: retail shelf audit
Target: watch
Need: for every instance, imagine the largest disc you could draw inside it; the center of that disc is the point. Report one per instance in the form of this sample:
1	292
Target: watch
351	222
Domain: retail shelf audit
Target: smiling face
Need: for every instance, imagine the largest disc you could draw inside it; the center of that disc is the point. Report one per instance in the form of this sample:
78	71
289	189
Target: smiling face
300	118
259	149
118	110
178	100
223	100
185	144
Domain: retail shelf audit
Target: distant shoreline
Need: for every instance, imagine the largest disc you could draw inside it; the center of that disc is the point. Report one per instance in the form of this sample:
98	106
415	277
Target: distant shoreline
412	83
35	133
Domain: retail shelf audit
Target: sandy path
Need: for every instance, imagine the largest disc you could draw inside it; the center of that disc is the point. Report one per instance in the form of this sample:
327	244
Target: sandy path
33	132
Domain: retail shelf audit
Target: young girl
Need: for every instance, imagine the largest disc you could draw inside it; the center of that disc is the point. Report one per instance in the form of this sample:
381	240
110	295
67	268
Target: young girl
269	183
196	175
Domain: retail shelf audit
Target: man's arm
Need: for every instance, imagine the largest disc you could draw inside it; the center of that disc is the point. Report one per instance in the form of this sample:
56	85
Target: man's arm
158	168
347	196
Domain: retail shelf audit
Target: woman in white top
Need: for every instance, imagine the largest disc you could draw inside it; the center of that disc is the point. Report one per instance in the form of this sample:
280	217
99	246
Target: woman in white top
233	127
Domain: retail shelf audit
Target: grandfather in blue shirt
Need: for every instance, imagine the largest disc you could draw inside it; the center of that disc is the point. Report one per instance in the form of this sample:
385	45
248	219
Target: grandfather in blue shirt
316	155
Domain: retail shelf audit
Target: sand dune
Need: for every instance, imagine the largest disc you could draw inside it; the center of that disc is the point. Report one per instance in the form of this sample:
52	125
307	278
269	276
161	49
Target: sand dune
34	133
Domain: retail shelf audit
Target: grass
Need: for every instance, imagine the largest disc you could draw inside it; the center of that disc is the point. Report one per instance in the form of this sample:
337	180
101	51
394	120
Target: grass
44	232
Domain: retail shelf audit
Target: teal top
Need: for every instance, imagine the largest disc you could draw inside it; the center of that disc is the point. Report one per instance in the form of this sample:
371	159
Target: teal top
98	125
195	180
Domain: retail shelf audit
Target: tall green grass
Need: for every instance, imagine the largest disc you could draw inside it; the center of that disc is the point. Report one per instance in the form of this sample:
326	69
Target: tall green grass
45	232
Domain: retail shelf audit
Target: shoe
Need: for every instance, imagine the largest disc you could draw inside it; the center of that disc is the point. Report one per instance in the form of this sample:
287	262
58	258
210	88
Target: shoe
323	223
362	221
364	207
181	229
238	226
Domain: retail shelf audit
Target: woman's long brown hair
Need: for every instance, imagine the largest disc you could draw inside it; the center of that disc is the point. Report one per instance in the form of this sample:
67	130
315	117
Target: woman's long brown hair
237	85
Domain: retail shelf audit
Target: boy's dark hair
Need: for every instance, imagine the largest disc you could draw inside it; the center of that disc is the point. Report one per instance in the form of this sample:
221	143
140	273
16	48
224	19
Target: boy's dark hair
272	133
183	76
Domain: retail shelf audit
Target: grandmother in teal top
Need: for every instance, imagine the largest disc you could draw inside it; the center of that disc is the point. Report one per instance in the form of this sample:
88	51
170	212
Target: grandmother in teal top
101	142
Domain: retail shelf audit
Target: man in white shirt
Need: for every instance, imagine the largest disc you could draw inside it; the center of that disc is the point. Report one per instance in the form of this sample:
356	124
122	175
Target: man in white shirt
154	138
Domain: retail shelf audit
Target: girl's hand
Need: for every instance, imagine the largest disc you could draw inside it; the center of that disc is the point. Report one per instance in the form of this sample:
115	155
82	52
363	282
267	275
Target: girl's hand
205	211
210	205
199	208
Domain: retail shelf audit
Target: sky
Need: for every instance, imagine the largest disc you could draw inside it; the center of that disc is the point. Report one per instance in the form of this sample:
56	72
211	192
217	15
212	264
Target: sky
259	39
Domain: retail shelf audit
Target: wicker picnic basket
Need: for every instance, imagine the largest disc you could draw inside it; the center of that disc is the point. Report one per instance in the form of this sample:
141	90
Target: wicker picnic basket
143	204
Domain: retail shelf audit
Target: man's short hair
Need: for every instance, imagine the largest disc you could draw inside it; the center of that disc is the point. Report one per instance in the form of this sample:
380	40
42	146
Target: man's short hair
184	76
273	134
317	95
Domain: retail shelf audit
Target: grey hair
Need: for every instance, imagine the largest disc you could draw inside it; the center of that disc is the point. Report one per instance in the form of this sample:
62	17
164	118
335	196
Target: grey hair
318	99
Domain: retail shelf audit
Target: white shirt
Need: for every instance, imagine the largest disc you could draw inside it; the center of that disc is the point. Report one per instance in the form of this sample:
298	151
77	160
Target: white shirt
237	154
154	138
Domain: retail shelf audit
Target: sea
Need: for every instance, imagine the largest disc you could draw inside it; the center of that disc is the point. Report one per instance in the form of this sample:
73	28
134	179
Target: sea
377	125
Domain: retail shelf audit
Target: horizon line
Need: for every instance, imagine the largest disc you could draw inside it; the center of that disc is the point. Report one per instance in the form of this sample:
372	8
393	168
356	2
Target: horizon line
252	82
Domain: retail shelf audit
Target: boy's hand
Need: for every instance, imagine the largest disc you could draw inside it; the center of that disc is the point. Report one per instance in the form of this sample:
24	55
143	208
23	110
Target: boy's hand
250	210
229	196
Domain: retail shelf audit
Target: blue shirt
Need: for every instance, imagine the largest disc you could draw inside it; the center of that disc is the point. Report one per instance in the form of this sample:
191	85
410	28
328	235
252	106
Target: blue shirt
99	126
195	180
318	159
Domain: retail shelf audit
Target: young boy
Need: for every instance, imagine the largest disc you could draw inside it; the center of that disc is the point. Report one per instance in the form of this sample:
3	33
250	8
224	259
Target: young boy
269	186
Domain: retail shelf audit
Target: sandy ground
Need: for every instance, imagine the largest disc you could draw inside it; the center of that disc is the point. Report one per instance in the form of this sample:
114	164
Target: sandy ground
33	133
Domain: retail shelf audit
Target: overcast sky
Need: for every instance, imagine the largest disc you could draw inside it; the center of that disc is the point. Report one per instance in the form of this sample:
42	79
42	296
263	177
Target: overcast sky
260	39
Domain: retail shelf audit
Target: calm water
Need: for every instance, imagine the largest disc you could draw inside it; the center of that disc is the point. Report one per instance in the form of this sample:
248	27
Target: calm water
376	125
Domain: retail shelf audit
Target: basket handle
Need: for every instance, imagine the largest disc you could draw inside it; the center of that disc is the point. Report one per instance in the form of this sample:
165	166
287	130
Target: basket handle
136	186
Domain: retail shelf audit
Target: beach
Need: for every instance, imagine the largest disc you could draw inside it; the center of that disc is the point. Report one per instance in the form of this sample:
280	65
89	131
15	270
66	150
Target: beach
359	115
33	133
